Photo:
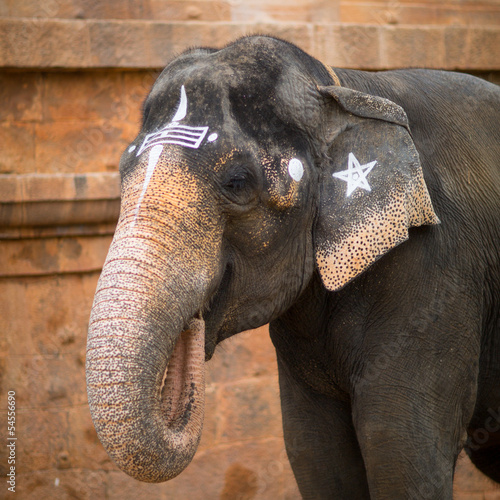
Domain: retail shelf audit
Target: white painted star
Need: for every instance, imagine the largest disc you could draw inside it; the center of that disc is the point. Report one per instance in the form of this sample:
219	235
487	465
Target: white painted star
355	175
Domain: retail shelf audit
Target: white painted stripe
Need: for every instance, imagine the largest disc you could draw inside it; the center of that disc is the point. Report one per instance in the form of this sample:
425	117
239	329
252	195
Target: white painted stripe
182	109
173	133
154	156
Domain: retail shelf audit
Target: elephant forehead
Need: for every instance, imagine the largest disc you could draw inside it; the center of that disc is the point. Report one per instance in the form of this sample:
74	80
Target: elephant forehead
166	181
172	212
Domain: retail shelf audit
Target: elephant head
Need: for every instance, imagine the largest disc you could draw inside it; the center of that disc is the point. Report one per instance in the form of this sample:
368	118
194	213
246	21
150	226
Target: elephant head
247	178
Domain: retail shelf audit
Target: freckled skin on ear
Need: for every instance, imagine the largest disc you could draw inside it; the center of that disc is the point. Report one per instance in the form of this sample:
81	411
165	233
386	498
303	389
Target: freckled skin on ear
357	213
379	201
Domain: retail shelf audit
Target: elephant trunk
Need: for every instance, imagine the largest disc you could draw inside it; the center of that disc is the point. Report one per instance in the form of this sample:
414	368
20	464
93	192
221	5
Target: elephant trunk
146	344
146	385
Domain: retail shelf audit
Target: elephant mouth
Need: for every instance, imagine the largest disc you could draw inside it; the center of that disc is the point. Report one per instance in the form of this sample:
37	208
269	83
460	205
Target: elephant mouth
214	313
178	386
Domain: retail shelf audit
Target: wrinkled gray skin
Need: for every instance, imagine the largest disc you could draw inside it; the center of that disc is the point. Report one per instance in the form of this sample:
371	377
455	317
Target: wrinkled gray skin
388	352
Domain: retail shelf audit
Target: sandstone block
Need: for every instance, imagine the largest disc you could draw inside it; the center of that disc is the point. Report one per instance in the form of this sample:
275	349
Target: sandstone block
470	47
18	147
43	43
21	97
151	44
136	87
47	9
42	321
62	485
42	437
484	43
421	13
417	47
78	96
76	147
255	354
112	9
33	188
470	481
122	487
119	43
457	41
324	11
45	382
257	470
169	39
53	255
460	495
250	410
204	10
355	47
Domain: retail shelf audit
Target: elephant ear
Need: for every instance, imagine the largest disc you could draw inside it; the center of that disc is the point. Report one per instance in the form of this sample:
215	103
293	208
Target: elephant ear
372	188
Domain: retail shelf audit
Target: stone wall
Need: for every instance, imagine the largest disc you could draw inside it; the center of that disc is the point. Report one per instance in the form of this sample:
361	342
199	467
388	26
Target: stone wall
73	74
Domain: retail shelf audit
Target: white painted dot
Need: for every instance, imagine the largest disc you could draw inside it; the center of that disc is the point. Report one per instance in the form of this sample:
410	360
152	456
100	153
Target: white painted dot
131	149
212	137
296	169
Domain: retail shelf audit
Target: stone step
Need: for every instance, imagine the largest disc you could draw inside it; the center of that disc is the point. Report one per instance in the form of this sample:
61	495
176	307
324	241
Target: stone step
461	12
32	43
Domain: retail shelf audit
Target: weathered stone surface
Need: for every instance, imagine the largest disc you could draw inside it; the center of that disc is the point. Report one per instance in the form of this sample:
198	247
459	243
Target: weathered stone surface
62	132
69	122
470	484
41	438
250	408
466	12
45	318
421	47
31	43
33	188
151	44
32	203
119	44
21	97
62	485
348	46
255	470
76	96
421	13
81	146
254	352
45	382
18	147
53	255
191	10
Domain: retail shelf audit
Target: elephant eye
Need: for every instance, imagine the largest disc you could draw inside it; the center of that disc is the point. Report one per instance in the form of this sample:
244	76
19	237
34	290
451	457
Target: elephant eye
237	183
239	186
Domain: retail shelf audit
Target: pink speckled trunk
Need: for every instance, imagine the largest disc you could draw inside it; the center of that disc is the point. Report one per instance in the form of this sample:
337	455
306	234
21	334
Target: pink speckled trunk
149	424
156	278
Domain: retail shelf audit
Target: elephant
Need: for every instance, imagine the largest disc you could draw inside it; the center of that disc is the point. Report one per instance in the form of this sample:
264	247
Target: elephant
355	212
